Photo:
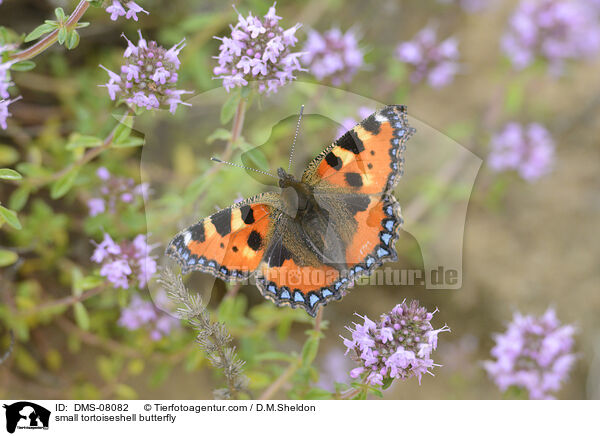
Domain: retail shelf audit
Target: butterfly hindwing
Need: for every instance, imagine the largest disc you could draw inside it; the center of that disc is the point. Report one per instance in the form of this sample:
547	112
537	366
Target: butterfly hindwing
230	243
303	273
367	159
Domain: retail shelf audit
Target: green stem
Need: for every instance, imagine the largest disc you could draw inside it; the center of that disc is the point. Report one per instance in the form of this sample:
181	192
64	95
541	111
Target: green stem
236	129
52	37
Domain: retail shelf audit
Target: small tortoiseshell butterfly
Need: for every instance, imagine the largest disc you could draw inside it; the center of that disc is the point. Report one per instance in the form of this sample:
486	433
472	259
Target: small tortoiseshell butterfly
308	243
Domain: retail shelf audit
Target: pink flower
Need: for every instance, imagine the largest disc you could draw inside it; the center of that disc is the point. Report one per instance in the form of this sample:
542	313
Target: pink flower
148	77
432	61
333	55
115	10
258	50
533	353
527	149
398	346
133	9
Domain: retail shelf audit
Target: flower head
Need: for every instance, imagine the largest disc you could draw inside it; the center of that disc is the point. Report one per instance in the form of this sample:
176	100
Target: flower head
553	30
115	192
333	55
125	263
116	10
526	149
142	314
148	77
258	50
533	353
432	61
398	346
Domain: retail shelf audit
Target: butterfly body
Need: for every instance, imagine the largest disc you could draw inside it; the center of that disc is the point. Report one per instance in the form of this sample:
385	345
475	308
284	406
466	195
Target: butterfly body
307	244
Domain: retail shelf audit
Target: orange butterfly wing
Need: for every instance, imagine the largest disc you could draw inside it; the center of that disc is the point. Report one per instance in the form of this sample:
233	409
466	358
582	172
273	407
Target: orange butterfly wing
230	243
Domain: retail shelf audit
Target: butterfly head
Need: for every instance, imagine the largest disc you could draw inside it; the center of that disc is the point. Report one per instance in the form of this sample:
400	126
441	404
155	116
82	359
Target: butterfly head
285	179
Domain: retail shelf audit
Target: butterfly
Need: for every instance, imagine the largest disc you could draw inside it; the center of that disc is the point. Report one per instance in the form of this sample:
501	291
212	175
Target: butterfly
308	243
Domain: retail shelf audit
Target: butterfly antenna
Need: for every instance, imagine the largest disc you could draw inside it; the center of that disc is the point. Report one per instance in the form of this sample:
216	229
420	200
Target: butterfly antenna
215	159
295	137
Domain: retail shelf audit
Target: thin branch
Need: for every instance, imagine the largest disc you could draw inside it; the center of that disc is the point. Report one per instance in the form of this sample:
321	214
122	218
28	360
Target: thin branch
52	37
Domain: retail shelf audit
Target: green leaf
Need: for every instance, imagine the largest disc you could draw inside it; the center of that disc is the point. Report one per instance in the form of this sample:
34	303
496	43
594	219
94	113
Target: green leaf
76	140
72	39
64	184
82	317
132	141
7	257
91	282
387	382
257	157
39	31
309	351
19	198
82	24
23	66
8	174
10	216
62	35
220	133
123	130
60	14
229	107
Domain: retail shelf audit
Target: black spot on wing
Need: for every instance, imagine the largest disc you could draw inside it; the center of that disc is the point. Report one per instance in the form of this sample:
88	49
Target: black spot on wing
222	221
357	203
354	179
279	254
351	142
370	124
197	232
254	240
247	214
333	161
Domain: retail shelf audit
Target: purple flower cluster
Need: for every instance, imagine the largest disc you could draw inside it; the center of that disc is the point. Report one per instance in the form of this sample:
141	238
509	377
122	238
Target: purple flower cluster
399	346
533	353
116	10
125	263
149	76
432	61
333	55
144	314
115	191
526	149
258	50
554	30
349	122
